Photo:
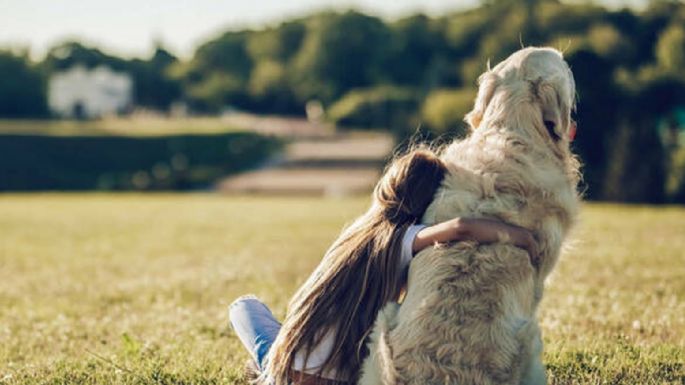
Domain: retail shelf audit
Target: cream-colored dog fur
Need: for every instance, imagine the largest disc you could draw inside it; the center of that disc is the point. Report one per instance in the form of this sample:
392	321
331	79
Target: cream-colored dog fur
469	317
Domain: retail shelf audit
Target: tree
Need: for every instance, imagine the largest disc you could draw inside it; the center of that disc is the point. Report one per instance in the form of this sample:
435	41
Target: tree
414	57
670	49
272	50
22	88
599	100
153	85
340	52
270	89
70	53
227	54
218	73
277	44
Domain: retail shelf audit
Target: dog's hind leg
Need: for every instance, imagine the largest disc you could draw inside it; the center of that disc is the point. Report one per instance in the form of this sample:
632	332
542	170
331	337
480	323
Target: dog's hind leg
379	367
534	370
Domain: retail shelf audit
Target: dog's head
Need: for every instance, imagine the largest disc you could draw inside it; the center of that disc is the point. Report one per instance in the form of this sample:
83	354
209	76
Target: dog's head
533	91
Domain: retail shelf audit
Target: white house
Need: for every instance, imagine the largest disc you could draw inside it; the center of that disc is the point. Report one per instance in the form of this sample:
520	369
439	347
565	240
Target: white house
80	92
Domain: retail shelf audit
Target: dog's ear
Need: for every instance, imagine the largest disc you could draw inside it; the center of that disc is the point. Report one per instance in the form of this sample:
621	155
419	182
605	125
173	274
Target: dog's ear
487	82
555	111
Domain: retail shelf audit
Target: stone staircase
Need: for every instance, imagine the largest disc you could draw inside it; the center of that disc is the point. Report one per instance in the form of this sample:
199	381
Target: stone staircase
331	165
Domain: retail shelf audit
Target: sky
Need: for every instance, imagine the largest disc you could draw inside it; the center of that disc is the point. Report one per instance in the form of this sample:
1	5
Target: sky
131	28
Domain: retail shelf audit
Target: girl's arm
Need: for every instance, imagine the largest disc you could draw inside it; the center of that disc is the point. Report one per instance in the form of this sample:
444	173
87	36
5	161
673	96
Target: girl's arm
479	230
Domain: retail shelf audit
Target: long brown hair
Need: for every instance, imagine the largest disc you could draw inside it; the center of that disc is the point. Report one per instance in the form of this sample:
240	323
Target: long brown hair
358	274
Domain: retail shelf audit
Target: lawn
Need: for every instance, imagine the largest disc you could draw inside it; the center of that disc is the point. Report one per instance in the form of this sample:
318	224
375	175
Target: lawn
133	289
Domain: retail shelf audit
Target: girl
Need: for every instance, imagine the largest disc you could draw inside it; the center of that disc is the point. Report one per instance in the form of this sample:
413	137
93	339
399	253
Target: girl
322	340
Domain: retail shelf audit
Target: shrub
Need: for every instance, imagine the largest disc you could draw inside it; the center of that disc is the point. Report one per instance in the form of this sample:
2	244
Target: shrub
376	108
443	110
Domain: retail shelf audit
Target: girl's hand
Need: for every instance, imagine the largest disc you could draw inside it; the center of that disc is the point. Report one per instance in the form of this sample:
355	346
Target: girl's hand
491	230
479	230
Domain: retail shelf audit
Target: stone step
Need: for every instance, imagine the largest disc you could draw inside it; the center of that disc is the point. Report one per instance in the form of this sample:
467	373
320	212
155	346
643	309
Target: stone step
375	147
333	164
303	181
337	164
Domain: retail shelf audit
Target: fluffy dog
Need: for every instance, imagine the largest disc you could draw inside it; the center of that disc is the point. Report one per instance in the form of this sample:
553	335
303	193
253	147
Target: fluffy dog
469	316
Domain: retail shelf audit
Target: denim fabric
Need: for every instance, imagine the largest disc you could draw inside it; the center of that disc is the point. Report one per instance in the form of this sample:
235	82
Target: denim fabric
255	326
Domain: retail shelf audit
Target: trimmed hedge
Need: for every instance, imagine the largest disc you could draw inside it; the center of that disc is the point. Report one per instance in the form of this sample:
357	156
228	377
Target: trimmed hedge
174	162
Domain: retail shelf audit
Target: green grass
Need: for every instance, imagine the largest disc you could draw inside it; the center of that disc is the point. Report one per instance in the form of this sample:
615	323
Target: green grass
133	289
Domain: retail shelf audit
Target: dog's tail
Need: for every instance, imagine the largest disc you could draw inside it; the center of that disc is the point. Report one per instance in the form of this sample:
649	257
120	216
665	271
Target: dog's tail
379	367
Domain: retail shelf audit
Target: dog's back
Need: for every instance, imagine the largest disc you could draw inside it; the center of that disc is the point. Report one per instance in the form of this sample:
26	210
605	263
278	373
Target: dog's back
469	313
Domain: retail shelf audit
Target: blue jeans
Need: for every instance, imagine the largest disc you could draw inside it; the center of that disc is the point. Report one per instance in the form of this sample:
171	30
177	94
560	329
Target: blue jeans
255	326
